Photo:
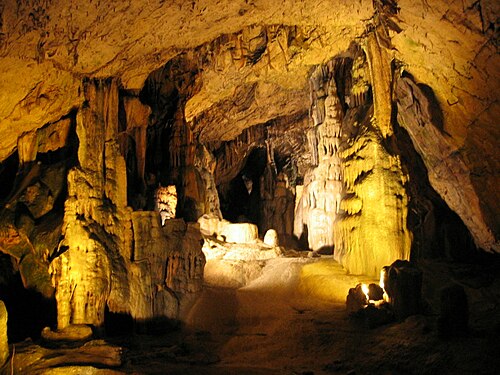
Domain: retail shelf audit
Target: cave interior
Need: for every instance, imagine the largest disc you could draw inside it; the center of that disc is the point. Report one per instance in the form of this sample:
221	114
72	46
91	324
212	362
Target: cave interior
215	195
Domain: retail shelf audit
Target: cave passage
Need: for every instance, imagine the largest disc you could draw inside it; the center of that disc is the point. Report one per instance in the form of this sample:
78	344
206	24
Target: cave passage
240	199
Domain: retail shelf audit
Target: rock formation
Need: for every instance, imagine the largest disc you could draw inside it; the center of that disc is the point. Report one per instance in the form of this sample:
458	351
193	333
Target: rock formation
355	199
4	344
111	256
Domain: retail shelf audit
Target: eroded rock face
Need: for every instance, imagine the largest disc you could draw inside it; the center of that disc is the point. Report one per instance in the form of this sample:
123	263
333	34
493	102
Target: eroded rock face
448	171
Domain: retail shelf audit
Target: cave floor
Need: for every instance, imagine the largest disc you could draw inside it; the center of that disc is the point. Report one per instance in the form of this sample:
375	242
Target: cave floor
268	328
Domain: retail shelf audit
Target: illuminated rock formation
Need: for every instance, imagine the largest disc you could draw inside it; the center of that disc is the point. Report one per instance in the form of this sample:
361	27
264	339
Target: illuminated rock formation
323	189
371	230
4	344
111	256
239	233
355	199
271	238
166	202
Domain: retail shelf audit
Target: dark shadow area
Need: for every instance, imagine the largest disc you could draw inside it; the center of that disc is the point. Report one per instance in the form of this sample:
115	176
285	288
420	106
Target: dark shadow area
434	108
438	232
117	324
8	172
28	311
240	199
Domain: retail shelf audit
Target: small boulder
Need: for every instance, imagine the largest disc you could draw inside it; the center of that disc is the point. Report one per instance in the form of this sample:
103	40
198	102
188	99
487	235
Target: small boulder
356	300
240	232
271	238
403	284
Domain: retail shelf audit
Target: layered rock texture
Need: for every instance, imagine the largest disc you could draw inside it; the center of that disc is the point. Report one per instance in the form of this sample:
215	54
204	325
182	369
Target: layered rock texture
367	129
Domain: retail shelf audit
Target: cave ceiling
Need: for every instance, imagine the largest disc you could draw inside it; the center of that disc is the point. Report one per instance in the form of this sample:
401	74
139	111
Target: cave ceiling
253	56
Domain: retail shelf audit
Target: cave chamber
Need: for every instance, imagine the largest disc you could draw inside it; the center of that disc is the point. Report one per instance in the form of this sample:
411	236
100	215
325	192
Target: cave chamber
217	187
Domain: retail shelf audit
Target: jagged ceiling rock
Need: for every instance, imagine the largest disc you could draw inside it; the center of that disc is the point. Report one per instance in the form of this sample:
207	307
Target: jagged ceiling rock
47	46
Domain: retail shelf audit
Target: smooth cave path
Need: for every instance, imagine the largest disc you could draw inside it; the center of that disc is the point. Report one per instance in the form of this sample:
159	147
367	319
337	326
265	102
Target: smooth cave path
284	328
289	319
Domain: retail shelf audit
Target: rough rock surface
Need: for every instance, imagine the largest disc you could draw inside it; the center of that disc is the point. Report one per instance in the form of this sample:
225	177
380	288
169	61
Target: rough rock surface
448	171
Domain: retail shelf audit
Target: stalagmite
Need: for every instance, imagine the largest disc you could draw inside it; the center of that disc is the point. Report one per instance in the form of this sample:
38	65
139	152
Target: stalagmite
114	257
4	345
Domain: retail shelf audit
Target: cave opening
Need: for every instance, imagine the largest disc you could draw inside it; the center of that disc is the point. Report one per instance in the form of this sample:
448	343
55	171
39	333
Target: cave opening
240	199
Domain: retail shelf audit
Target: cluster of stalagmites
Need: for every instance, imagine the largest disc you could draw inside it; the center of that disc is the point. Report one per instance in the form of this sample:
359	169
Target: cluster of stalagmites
354	199
113	256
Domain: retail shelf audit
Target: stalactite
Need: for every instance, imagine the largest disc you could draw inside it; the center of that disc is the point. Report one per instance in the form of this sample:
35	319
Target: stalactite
381	77
27	147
